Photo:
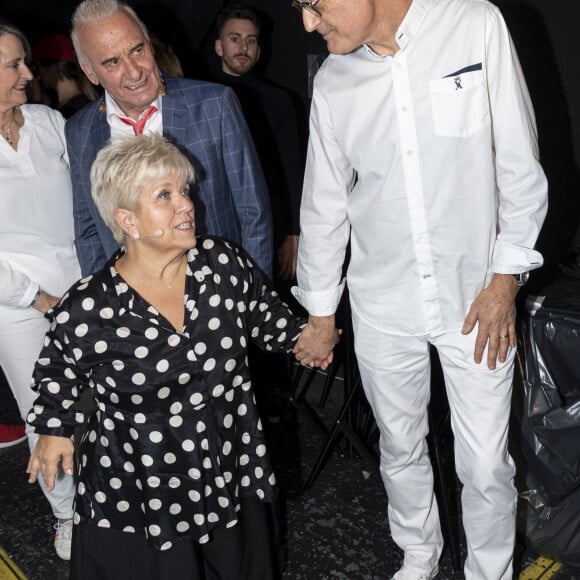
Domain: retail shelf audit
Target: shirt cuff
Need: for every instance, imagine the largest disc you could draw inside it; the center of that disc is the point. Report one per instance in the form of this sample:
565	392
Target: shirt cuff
512	259
319	303
29	295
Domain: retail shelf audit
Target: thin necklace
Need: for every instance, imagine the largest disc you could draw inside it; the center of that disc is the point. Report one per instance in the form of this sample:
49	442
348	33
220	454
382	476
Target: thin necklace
7	129
7	134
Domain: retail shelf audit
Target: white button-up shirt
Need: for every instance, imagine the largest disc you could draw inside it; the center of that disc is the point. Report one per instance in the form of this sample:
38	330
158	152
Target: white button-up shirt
427	161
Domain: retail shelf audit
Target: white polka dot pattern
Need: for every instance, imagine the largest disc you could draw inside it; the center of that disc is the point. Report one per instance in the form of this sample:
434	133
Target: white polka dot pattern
177	438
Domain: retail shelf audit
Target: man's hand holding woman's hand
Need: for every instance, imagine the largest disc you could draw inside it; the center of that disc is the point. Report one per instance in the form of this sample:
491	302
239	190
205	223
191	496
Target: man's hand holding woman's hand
316	342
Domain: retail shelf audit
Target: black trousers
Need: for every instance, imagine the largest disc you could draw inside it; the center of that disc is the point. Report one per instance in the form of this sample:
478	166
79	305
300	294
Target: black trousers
244	552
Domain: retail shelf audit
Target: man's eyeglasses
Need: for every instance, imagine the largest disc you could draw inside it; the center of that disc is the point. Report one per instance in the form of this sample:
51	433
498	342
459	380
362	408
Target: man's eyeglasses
308	6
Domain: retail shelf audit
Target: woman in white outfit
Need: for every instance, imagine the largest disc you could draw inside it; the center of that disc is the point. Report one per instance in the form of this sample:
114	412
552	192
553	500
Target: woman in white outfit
37	257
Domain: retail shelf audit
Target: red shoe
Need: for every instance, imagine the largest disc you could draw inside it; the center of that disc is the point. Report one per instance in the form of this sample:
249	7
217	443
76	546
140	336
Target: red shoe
11	435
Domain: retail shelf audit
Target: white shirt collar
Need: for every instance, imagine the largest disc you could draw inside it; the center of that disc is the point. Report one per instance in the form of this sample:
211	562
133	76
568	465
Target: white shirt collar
155	124
408	27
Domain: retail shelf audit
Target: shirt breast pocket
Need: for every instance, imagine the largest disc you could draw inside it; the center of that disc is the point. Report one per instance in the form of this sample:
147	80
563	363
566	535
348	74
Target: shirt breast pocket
459	104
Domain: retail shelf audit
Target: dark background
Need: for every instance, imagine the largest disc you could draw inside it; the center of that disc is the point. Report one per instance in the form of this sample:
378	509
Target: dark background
545	33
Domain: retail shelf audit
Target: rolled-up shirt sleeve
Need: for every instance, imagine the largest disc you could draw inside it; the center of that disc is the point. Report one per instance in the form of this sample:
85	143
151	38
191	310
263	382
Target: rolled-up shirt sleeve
16	288
512	259
322	303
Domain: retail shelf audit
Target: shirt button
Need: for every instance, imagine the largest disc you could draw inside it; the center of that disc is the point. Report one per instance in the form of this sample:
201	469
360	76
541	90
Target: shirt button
404	109
409	152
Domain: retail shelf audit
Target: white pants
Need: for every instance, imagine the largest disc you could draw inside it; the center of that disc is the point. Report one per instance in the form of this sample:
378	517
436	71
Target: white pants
395	372
21	338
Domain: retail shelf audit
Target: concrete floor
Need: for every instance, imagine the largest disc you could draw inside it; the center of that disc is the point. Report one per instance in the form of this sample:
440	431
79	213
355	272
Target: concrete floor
337	530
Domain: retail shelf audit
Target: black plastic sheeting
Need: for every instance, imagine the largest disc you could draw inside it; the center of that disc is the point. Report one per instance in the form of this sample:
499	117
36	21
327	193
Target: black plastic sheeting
547	412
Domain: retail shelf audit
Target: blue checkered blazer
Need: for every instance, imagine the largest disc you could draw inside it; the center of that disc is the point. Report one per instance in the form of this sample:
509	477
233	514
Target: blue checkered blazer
230	196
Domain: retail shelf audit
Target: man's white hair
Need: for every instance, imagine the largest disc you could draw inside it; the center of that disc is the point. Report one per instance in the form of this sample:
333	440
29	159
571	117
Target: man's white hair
94	10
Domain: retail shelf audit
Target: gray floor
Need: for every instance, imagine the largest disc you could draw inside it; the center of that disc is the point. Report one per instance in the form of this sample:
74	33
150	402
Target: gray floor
337	530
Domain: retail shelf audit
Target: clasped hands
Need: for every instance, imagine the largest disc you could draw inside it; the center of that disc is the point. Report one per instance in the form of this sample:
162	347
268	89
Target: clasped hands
317	341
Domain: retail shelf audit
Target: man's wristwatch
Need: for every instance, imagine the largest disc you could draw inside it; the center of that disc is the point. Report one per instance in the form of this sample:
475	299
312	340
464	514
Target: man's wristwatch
522	278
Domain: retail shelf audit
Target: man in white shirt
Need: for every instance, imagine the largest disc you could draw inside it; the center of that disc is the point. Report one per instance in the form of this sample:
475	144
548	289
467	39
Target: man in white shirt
423	153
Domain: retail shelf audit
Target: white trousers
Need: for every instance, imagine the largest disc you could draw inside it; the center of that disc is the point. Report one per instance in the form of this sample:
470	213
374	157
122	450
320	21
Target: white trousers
395	372
21	338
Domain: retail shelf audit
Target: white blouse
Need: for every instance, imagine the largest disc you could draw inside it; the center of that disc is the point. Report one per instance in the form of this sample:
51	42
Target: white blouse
36	217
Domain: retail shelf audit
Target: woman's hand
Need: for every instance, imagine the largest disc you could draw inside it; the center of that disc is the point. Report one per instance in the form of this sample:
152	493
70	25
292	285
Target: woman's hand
50	451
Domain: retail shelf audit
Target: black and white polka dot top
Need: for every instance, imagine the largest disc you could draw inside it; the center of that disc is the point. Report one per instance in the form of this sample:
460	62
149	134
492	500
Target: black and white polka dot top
176	439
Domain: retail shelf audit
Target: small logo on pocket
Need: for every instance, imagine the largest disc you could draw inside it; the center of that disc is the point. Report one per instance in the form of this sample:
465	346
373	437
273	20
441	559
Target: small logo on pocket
457	83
